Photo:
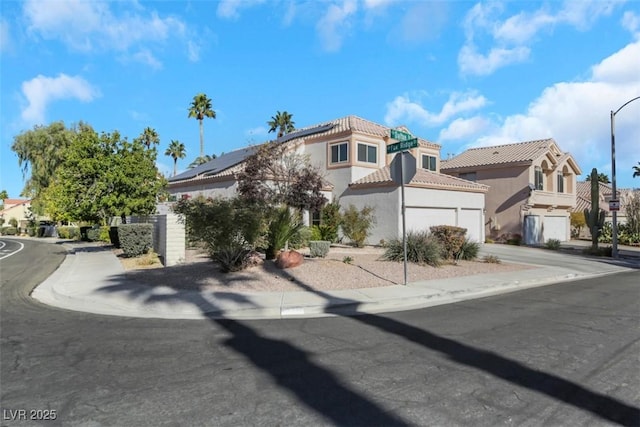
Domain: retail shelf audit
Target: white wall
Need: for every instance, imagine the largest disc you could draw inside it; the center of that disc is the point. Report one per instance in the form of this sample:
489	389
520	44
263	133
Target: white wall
386	204
212	189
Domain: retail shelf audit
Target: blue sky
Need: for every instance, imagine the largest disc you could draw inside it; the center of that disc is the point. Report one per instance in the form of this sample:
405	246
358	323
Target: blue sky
458	73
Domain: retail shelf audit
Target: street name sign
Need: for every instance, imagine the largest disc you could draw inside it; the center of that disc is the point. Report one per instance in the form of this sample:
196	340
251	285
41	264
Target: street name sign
402	145
400	135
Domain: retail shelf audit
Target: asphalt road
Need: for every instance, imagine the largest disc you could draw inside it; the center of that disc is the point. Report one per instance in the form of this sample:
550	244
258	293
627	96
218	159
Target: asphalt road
565	354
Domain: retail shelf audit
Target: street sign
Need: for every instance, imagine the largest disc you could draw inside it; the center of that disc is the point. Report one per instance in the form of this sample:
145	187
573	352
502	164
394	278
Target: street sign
400	135
403	168
402	145
614	205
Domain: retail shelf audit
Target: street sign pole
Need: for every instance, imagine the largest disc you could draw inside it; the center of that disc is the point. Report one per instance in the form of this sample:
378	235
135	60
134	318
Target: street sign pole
404	221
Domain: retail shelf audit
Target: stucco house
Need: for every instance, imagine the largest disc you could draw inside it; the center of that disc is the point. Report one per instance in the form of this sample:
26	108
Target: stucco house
351	152
583	201
18	209
532	188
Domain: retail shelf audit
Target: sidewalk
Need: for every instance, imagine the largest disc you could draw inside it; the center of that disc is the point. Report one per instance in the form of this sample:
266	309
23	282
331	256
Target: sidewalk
91	280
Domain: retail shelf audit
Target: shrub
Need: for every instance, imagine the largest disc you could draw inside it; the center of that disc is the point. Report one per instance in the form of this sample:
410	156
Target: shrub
356	224
13	222
229	229
330	219
315	233
282	227
319	248
553	244
491	259
83	233
9	231
135	239
515	239
347	260
451	238
93	234
469	250
68	232
422	248
113	236
31	231
301	238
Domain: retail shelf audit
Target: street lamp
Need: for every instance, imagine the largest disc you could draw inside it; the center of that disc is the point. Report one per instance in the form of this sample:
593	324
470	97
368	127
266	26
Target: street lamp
614	249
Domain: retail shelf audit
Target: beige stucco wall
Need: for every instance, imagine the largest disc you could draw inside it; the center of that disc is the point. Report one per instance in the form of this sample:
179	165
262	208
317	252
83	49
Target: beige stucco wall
211	189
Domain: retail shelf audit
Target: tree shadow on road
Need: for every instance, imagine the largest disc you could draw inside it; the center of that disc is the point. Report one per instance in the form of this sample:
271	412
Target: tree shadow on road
322	391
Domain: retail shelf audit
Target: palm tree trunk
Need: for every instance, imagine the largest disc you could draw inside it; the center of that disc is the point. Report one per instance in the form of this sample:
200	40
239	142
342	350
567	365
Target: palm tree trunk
201	139
175	164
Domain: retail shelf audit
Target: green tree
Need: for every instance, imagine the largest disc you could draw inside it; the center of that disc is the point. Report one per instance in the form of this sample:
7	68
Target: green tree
200	160
177	151
39	152
602	177
356	224
103	176
3	196
636	170
149	137
282	123
200	108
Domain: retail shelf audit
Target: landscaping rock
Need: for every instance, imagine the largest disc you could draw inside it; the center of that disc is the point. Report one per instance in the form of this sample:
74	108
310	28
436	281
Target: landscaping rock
289	259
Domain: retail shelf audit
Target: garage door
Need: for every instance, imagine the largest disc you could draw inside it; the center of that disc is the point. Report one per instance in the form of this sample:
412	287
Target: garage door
471	219
555	227
423	218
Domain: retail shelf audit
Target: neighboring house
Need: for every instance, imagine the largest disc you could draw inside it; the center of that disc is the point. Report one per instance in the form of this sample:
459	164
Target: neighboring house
605	191
18	209
351	153
532	188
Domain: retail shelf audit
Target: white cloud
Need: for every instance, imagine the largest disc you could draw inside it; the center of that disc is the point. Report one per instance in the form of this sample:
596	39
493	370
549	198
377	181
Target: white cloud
335	23
631	22
509	38
41	91
92	26
145	56
577	116
402	109
6	44
464	128
229	9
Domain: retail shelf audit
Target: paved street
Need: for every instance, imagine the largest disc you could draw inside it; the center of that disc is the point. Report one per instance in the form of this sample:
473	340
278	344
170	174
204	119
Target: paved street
559	355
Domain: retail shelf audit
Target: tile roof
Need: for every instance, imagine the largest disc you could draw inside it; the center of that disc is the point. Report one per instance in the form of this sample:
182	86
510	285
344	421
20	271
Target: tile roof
499	154
583	196
227	164
423	178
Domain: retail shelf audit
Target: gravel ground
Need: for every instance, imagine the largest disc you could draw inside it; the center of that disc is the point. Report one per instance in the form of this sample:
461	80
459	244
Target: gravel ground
366	270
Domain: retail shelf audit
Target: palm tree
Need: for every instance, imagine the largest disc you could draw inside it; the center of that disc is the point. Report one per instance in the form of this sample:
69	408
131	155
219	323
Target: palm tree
602	177
201	108
201	160
281	122
149	136
636	170
177	151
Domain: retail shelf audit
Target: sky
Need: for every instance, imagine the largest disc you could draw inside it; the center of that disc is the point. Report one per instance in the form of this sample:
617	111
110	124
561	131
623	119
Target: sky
459	73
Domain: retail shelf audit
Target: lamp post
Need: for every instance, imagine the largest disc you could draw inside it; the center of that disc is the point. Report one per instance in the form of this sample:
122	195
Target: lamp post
614	249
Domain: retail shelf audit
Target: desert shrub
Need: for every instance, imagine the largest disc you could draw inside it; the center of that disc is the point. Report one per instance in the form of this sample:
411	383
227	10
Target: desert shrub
135	239
282	227
13	222
606	233
347	260
315	233
469	250
578	222
330	219
301	238
356	224
228	229
491	259
68	232
9	231
451	238
553	244
319	248
422	248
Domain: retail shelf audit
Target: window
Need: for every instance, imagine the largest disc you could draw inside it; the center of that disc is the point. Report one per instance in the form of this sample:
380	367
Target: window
339	152
367	153
560	182
469	176
539	178
315	218
428	162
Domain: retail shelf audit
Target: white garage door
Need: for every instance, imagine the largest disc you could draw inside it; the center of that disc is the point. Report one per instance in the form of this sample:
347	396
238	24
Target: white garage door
423	218
471	219
555	227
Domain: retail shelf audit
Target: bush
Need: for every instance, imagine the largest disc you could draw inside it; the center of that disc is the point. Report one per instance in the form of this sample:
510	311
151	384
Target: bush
135	239
319	248
229	229
469	250
301	238
315	233
9	231
553	244
356	224
31	231
68	232
113	236
491	259
93	234
330	220
451	238
422	248
282	227
13	222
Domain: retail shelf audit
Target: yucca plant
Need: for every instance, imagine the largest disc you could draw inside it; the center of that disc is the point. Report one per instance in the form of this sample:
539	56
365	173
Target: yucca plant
282	227
422	248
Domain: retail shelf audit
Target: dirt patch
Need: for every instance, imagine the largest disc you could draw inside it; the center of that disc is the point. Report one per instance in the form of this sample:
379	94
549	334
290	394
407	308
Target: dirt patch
366	270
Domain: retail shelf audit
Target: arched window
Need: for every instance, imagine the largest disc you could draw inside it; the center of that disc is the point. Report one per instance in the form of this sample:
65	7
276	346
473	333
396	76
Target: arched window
539	180
560	182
